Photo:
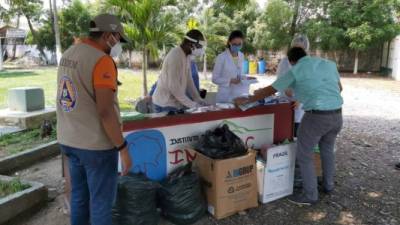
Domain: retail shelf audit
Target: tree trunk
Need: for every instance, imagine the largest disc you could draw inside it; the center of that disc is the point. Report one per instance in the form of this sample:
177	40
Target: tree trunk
56	32
144	68
1	56
293	26
130	59
34	35
15	44
205	67
356	63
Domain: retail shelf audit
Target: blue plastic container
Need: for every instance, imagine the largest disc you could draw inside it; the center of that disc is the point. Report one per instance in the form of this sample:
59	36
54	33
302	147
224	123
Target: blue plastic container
245	67
262	67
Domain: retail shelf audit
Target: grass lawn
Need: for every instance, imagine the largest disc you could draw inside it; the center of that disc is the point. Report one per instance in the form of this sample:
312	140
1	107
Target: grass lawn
11	187
46	78
17	142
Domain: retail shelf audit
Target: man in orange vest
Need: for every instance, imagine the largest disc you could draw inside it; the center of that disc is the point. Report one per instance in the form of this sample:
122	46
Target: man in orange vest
89	122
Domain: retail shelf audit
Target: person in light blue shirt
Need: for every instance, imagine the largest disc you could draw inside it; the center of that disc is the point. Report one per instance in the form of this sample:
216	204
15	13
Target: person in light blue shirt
316	83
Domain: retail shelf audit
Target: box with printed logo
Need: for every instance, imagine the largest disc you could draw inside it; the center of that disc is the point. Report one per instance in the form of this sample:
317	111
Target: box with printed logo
230	184
275	176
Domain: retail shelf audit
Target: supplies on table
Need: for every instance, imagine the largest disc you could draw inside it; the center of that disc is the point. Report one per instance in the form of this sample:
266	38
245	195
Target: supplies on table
230	184
271	100
275	174
136	201
221	143
181	198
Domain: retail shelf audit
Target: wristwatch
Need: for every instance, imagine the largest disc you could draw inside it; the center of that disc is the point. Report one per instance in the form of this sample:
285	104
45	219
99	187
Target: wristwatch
119	148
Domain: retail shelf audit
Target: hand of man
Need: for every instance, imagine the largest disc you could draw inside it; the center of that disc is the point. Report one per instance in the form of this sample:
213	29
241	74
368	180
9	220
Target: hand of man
259	92
235	81
125	161
295	105
289	93
201	102
240	101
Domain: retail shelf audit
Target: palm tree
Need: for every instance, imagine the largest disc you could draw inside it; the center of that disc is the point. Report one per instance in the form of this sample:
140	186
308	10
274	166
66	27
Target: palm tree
149	26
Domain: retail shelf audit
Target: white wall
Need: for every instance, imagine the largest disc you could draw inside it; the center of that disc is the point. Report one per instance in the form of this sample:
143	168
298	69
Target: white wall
394	58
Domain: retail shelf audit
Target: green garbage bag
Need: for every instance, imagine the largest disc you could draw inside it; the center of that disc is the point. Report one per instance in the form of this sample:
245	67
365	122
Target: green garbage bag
136	202
181	198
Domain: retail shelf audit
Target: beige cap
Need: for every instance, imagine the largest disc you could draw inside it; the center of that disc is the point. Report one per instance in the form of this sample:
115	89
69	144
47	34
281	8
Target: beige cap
108	23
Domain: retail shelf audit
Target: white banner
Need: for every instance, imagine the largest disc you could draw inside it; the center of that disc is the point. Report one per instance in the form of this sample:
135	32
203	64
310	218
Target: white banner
156	152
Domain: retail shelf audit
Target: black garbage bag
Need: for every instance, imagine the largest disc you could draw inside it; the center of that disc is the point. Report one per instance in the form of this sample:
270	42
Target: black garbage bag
136	202
181	198
221	143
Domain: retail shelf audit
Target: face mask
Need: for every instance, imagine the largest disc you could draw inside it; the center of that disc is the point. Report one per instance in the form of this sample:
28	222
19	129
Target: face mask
235	48
198	52
116	50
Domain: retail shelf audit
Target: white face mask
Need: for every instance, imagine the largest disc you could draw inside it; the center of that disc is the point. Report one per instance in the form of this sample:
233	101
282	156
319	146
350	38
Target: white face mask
198	52
116	50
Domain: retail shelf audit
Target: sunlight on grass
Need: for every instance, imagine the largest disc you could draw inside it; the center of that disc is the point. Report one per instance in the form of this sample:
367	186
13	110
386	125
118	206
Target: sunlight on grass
46	78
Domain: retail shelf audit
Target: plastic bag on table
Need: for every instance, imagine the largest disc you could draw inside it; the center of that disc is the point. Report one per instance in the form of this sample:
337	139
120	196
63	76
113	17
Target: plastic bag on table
221	143
136	202
181	198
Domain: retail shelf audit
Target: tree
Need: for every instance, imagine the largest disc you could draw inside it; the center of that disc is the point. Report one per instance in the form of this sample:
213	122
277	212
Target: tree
367	23
53	8
32	10
74	23
149	25
272	29
46	38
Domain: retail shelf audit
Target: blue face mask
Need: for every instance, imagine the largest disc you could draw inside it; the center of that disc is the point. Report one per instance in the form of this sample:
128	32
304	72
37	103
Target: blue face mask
235	48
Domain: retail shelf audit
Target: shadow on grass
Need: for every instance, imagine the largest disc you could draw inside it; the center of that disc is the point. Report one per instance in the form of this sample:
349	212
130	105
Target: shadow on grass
12	74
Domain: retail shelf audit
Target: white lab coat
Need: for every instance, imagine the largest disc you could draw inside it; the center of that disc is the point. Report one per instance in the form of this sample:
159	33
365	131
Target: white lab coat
224	70
283	67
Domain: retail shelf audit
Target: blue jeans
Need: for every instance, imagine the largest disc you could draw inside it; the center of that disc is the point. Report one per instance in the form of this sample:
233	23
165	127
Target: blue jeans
158	109
94	183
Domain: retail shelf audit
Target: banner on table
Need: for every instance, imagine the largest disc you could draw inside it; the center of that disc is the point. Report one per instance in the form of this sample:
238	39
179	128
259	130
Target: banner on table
158	151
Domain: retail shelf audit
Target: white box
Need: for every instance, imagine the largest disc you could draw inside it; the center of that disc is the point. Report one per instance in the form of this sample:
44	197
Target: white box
275	179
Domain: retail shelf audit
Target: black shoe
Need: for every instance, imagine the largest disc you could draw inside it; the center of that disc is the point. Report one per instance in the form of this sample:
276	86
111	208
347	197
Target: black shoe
301	200
397	166
326	191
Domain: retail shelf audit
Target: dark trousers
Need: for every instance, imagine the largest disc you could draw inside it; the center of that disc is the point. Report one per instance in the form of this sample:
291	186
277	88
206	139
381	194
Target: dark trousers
93	182
322	130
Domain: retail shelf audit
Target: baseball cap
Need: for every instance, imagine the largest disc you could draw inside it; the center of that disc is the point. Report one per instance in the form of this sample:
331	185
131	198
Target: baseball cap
108	23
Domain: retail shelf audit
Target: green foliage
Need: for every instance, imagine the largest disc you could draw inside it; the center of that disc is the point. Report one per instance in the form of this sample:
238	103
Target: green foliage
272	29
219	20
11	187
149	24
46	39
17	142
74	22
366	23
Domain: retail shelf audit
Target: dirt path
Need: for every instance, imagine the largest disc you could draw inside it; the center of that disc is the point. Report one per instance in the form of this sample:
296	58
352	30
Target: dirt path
367	184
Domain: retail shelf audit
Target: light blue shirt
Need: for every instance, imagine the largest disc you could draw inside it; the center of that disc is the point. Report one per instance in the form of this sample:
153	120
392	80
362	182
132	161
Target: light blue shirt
315	82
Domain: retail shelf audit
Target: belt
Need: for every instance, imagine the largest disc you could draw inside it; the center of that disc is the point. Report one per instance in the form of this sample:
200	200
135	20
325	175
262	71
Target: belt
325	112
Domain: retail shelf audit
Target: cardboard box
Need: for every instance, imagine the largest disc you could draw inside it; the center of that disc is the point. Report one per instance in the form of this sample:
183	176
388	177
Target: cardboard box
230	184
275	176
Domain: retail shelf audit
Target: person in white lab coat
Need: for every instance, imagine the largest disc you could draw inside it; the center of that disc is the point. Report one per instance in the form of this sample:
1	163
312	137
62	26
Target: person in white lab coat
227	72
283	67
